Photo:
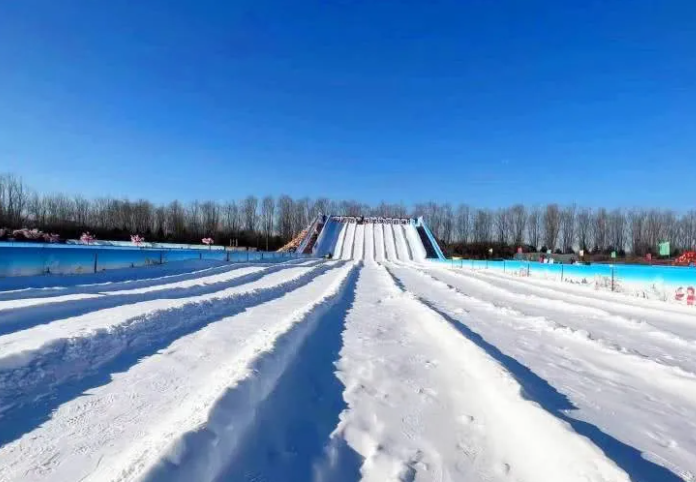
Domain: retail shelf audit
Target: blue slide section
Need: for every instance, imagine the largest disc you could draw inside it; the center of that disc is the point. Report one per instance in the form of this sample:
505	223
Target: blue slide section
326	243
431	239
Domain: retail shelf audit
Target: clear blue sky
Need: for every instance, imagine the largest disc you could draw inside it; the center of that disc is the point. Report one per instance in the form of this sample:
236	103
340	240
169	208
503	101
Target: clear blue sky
486	102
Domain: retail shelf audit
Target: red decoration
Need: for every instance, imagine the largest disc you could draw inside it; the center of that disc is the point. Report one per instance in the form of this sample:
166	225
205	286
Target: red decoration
686	259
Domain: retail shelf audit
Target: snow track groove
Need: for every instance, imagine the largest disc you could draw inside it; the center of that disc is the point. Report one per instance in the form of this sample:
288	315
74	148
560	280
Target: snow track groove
622	334
427	404
417	248
680	320
292	402
390	246
160	284
380	247
338	249
38	367
12	320
573	372
359	244
122	428
370	253
402	249
339	371
349	242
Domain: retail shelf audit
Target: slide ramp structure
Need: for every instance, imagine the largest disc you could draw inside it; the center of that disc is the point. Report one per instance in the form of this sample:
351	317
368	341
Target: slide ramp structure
371	238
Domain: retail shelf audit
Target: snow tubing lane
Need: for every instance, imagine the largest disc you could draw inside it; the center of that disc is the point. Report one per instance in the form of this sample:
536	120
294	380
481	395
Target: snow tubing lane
250	419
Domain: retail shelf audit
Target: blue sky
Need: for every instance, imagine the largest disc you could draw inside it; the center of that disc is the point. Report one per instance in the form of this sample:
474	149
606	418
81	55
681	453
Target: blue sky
489	103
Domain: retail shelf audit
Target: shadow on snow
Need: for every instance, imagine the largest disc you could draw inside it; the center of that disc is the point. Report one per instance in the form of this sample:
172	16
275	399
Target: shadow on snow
159	331
536	389
277	424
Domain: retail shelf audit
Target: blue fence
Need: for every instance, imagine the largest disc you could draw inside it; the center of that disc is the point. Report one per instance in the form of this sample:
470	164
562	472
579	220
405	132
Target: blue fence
666	283
66	259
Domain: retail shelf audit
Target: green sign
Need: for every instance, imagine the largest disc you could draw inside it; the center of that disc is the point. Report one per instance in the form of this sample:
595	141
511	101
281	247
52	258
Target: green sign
664	248
613	254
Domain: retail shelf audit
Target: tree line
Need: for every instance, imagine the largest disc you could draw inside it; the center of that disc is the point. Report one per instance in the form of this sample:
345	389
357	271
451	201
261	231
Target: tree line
562	229
269	222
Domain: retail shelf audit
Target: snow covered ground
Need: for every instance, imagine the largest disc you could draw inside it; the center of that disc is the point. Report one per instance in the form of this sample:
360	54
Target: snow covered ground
369	367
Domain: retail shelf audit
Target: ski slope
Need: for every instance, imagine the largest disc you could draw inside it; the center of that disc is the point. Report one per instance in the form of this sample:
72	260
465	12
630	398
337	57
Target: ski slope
375	367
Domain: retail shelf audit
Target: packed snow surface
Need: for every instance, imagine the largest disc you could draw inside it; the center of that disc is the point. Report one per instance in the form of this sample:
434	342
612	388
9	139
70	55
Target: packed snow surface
374	366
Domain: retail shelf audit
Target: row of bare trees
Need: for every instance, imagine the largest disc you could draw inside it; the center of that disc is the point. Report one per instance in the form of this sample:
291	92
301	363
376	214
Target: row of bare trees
563	228
270	221
267	222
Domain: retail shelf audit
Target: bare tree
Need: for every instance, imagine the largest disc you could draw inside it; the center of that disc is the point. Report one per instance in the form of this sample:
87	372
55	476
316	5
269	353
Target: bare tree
249	207
568	229
349	208
671	227
502	225
654	228
300	215
285	218
552	225
13	200
321	206
81	210
36	209
584	229
463	223
534	227
233	220
637	227
600	230
160	222
267	217
434	217
518	215
176	218
194	221
483	221
210	214
447	223
617	229
141	216
689	230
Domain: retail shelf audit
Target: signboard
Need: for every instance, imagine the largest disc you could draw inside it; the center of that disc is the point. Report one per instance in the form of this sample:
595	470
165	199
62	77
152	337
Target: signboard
613	254
664	248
